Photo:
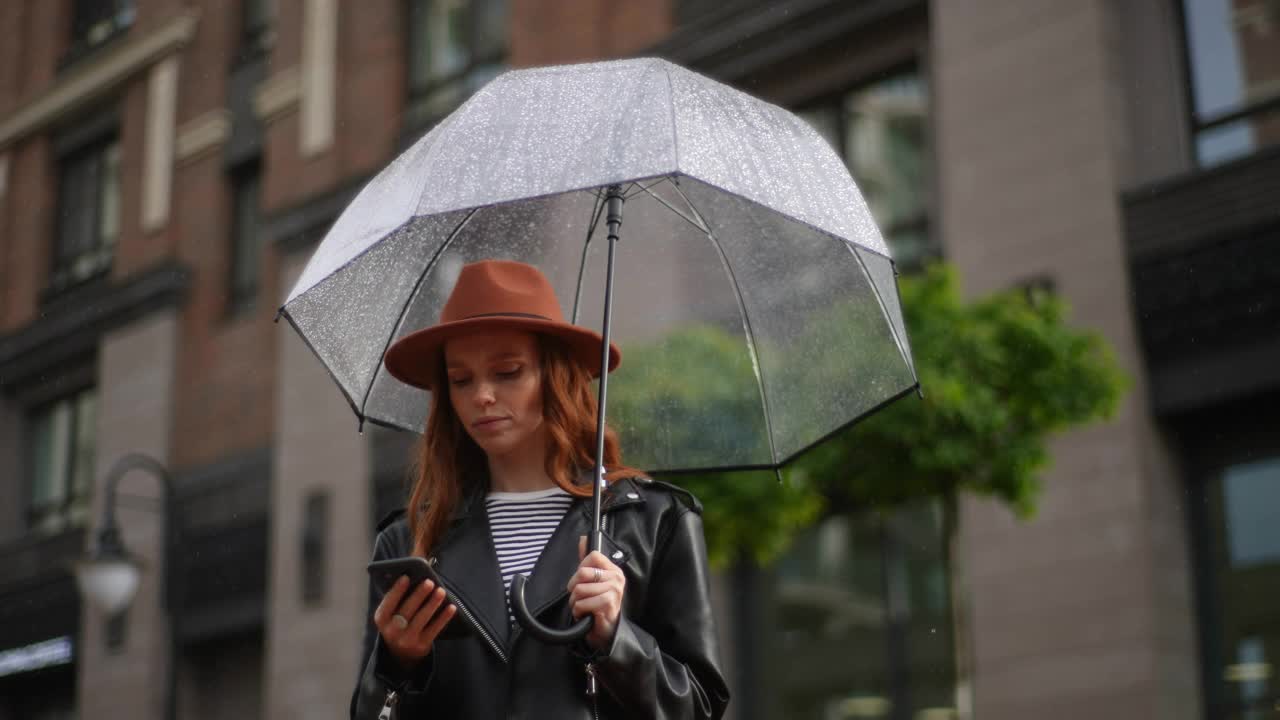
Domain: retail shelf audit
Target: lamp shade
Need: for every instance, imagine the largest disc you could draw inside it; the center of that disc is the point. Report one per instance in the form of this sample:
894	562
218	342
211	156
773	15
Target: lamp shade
110	583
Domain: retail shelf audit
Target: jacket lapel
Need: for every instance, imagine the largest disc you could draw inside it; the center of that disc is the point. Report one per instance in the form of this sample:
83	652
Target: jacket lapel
468	565
557	562
559	559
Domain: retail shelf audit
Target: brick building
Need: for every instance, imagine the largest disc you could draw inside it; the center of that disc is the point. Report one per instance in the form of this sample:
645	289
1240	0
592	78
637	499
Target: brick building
167	165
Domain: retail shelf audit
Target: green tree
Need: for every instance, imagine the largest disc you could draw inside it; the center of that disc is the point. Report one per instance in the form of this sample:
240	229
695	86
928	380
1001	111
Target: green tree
999	376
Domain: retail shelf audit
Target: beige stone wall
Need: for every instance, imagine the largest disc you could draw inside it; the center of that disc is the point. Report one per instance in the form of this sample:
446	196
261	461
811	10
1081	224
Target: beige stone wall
222	680
312	653
1085	611
135	409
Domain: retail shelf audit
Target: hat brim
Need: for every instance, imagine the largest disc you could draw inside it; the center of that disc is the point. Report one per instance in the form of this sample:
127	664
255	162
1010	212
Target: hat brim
413	358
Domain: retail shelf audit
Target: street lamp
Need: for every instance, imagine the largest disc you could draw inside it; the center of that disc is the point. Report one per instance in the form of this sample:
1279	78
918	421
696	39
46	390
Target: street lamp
109	574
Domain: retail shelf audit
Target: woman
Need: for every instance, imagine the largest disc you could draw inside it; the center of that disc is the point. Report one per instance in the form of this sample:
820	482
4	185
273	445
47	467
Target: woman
503	487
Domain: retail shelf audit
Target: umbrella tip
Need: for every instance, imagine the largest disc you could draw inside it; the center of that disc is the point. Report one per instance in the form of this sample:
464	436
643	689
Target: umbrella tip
279	312
360	426
919	391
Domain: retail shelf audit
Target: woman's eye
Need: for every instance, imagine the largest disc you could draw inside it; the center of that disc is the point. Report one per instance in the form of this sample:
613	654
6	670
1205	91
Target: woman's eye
509	373
459	382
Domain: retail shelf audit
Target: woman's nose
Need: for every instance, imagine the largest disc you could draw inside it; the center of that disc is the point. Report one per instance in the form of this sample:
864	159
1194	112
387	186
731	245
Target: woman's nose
484	394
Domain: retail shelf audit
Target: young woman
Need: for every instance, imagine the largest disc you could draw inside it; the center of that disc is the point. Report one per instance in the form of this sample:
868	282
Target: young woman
503	486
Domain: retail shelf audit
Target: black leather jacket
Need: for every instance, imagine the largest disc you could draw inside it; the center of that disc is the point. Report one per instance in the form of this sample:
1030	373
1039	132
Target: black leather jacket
663	662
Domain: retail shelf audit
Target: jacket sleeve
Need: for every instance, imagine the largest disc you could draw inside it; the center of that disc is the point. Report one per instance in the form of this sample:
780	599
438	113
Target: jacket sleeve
380	672
671	670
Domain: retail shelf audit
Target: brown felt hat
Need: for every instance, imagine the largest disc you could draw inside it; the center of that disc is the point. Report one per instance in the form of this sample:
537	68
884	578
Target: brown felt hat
494	295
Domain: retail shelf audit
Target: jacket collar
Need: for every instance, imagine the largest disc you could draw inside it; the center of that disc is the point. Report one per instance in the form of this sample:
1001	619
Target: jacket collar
620	492
468	563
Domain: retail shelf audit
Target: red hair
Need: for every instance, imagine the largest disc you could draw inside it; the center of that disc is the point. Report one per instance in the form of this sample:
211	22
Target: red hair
448	461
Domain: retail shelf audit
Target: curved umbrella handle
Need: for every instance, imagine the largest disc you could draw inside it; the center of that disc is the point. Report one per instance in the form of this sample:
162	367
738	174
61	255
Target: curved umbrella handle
551	636
548	635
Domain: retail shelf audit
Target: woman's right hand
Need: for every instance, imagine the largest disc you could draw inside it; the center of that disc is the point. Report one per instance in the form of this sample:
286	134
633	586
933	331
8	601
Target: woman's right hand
409	625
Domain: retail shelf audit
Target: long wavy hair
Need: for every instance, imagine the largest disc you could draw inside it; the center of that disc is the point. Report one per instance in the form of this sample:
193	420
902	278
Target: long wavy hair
448	462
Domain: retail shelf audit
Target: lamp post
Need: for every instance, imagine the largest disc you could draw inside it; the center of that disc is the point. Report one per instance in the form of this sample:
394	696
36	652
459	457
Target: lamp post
109	574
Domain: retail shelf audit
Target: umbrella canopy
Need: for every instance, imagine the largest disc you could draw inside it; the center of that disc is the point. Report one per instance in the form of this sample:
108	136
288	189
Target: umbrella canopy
755	299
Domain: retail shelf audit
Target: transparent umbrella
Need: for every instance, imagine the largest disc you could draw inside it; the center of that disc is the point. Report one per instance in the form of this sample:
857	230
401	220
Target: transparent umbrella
749	262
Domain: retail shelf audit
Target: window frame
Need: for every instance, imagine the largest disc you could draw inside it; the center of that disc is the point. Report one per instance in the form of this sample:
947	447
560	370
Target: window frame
755	589
255	38
926	221
117	15
1267	106
34	517
417	96
243	299
1212	442
314	551
251	31
83	146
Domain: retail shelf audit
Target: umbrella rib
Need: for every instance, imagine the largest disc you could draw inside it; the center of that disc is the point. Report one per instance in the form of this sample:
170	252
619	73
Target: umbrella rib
405	308
582	263
644	188
884	311
672	208
746	323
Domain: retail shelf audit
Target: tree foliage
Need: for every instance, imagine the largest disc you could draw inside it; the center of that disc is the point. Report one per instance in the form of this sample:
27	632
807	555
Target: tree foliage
686	399
999	376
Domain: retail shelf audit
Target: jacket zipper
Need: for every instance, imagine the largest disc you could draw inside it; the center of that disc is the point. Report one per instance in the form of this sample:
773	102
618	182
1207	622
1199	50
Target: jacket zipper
471	619
389	706
592	691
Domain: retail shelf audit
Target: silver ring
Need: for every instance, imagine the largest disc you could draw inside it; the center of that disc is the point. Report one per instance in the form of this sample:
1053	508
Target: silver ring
597	574
399	621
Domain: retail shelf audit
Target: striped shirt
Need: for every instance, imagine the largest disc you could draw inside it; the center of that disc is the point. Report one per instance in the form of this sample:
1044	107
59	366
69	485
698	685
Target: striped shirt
521	523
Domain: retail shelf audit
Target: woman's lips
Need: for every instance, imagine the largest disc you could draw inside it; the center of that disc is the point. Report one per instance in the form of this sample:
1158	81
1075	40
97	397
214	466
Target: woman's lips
485	423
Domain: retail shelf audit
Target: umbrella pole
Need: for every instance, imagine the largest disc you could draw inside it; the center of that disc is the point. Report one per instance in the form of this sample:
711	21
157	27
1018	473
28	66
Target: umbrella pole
519	607
613	220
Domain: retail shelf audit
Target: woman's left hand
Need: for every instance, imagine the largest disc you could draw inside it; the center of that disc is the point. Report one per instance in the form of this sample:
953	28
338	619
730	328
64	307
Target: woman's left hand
596	589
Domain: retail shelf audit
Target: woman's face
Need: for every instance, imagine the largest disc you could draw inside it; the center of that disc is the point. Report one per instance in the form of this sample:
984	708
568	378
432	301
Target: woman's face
495	385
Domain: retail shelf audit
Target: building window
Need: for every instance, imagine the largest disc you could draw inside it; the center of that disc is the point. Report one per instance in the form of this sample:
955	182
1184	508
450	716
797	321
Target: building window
246	247
455	46
854	621
96	21
1233	57
60	457
257	16
881	131
1241	576
315	556
88	212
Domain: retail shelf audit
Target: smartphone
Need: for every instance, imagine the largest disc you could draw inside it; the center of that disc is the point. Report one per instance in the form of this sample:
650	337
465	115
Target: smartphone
385	573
